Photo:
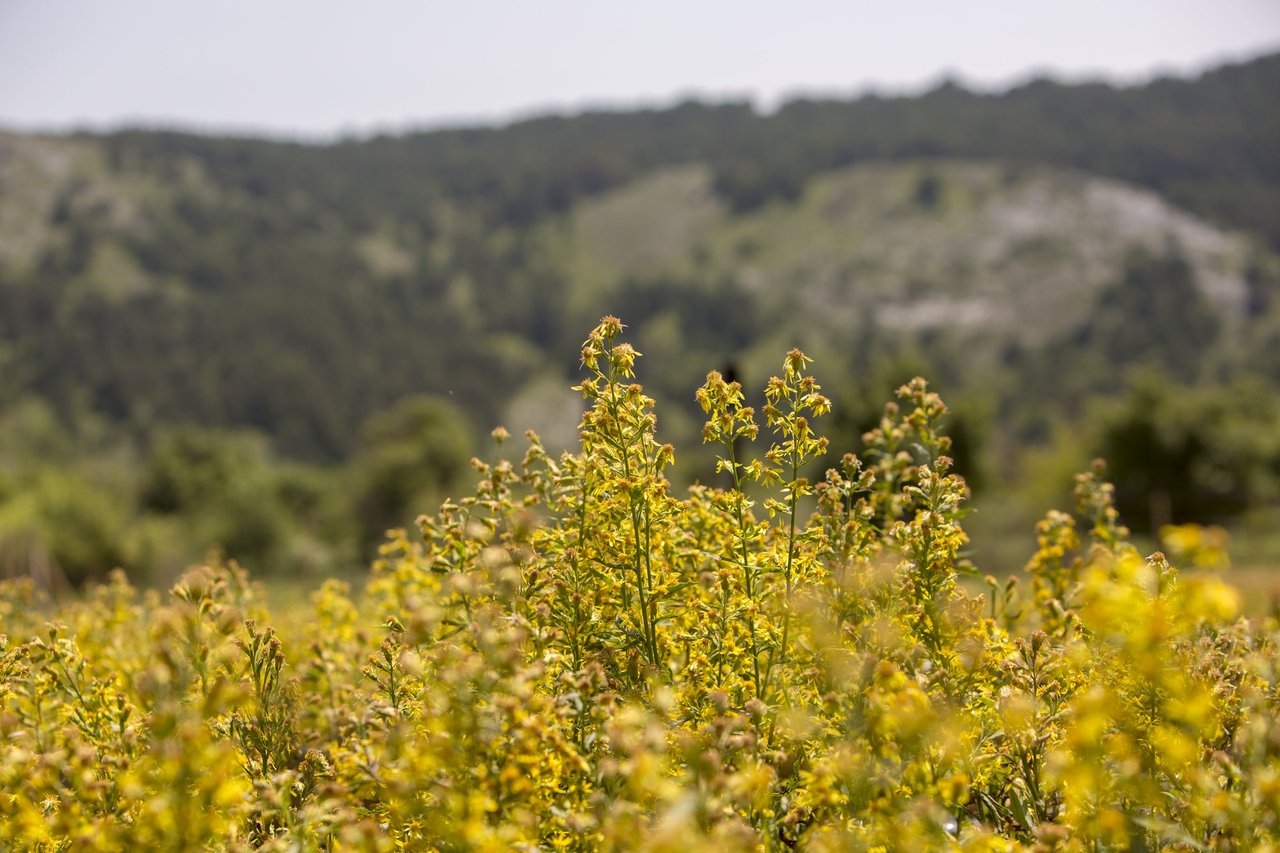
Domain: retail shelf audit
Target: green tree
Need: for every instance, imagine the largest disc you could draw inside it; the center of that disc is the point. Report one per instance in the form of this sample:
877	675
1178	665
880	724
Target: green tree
412	454
1179	454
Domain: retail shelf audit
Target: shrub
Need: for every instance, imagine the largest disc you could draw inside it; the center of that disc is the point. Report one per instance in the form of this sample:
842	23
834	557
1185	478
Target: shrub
574	658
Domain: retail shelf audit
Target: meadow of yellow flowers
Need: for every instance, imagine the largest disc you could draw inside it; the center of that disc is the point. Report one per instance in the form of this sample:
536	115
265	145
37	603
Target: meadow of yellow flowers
576	658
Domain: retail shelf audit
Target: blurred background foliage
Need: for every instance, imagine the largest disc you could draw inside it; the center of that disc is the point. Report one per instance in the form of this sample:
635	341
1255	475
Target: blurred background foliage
280	350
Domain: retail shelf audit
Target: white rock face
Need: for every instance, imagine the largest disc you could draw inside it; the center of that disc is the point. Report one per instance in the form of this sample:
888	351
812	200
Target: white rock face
1020	252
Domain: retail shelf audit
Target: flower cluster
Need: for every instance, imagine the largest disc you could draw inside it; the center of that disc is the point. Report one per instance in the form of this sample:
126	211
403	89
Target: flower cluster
573	657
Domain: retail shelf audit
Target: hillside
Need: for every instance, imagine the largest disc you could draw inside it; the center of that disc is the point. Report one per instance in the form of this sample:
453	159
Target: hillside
1017	255
1031	252
150	299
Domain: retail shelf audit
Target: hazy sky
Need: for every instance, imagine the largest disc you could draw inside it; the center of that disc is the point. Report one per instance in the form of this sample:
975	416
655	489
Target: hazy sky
320	67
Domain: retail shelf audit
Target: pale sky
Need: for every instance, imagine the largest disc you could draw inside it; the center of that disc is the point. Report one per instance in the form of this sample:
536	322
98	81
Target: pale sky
318	67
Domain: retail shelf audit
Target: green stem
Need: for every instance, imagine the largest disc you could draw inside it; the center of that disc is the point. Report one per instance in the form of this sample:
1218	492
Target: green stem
641	559
793	502
748	577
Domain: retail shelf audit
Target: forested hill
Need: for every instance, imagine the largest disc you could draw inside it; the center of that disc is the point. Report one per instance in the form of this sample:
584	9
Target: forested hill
1207	144
155	277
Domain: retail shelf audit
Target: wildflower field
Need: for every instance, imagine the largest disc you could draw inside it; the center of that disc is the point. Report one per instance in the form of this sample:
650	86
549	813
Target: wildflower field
574	657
